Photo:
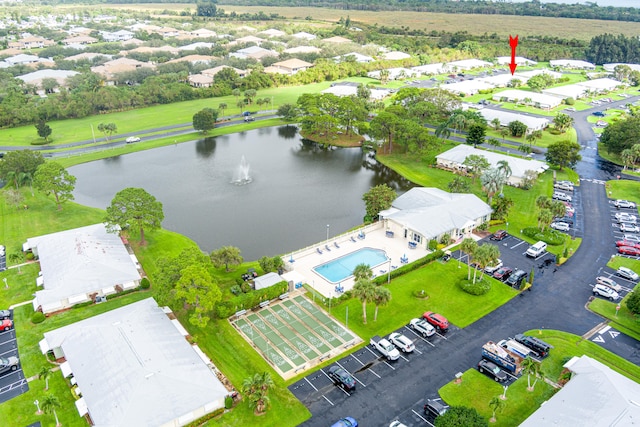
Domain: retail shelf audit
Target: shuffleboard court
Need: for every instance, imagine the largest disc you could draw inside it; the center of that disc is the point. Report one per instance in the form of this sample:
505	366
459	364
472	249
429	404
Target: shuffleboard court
294	336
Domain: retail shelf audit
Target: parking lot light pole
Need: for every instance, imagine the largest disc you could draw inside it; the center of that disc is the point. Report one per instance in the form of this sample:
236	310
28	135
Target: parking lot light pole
37	403
6	286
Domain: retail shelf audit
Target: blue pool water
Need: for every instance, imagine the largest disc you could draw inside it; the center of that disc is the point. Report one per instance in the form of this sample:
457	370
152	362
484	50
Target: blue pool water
341	268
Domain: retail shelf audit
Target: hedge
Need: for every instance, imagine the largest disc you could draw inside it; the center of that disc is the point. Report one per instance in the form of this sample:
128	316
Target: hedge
550	236
37	317
481	287
249	300
410	267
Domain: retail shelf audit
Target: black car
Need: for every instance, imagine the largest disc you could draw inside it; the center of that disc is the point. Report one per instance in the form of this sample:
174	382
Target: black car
516	278
499	235
492	370
537	346
342	378
435	408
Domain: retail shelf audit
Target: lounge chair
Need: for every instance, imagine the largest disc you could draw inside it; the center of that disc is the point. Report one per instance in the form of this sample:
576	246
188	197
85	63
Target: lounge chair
336	245
319	251
327	248
353	240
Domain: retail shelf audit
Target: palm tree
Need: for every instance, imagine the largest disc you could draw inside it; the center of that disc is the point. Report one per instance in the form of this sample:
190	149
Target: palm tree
16	258
503	166
222	106
545	217
496	123
256	389
489	255
492	182
45	373
468	246
496	404
381	297
443	131
531	367
49	405
362	271
363	290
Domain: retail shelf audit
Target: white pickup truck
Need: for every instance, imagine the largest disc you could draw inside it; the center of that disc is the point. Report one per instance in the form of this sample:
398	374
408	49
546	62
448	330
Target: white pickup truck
387	349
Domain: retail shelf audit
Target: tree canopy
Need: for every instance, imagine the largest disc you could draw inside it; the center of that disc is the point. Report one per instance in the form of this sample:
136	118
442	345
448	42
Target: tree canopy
196	288
377	199
205	120
52	177
16	165
563	154
458	416
621	135
226	255
135	205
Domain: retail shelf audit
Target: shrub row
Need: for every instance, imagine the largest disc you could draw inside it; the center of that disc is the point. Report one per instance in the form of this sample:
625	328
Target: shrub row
201	421
481	287
409	267
249	300
550	236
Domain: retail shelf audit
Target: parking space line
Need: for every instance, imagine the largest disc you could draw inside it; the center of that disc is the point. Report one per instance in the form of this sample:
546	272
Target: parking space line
521	242
314	387
13	350
387	363
13	385
325	374
415	349
419	336
358	360
405	359
422	418
440	335
330	402
354	377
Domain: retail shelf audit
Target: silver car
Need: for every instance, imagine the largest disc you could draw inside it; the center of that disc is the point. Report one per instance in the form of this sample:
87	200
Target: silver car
602	280
560	226
8	364
605	291
403	343
628	227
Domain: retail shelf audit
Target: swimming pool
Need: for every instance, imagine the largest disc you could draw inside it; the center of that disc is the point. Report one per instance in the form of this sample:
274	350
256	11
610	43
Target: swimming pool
341	268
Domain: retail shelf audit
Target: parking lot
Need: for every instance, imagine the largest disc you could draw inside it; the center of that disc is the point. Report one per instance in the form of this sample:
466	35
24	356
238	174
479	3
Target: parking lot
12	383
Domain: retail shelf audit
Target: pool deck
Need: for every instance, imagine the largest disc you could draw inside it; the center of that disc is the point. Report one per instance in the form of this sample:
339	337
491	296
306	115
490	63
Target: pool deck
375	237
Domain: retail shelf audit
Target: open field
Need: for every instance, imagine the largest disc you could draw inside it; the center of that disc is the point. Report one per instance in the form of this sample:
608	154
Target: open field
581	29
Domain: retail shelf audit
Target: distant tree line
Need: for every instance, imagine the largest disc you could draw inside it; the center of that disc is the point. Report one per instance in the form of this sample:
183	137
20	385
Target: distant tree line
609	48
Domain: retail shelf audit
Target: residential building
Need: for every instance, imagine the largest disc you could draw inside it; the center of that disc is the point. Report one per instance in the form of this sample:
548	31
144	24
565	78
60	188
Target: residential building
519	60
272	32
302	49
454	158
354	56
304	36
467	64
572	64
79	264
423	214
215	70
133	366
539	100
194	59
336	40
200	80
533	123
395	56
79	40
117	36
253	52
394	73
289	67
31	42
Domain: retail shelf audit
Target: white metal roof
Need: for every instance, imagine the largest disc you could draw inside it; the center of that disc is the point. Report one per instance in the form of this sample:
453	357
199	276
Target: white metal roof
567	91
431	211
517	94
467	64
518	166
601	84
507	117
469	87
571	63
596	396
505	60
80	261
135	368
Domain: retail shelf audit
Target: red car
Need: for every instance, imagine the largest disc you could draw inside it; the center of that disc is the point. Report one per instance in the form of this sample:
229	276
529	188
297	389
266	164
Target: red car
628	243
629	250
6	325
499	235
503	273
439	321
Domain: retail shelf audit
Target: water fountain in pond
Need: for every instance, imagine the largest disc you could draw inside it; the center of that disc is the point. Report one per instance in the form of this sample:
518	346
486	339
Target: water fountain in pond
241	175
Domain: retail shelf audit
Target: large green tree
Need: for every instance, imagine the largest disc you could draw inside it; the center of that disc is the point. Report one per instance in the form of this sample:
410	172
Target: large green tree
16	164
205	120
476	134
170	271
44	130
288	112
458	416
52	177
108	129
197	289
562	122
621	135
476	165
517	128
135	206
563	154
377	199
226	255
492	182
206	8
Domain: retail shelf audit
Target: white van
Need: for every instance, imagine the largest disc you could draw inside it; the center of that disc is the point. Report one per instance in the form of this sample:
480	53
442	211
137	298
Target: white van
536	250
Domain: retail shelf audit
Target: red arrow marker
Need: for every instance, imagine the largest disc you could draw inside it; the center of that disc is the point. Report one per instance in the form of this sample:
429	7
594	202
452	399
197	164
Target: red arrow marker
513	42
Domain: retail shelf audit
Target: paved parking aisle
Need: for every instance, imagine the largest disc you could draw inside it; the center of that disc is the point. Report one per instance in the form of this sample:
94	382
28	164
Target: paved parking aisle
618	343
12	383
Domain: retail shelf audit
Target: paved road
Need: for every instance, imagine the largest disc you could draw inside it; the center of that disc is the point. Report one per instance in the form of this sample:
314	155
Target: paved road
557	301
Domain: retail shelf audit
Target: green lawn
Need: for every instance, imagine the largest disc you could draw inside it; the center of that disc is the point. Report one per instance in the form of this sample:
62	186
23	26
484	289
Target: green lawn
22	284
624	189
476	390
438	280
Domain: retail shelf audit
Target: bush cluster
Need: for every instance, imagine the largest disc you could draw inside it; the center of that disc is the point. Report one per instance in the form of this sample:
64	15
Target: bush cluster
550	236
145	283
481	287
409	267
38	317
201	421
249	300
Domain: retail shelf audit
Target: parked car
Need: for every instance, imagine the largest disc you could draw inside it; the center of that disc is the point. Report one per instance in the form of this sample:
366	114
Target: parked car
602	280
560	226
397	423
422	327
624	204
499	235
2	250
539	347
249	119
626	217
628	243
516	278
490	269
402	342
435	408
561	196
571	109
342	378
631	238
598	114
563	186
345	422
629	250
6	324
503	273
8	364
569	210
132	139
627	273
385	347
605	291
536	249
5	314
492	370
567	219
437	320
628	227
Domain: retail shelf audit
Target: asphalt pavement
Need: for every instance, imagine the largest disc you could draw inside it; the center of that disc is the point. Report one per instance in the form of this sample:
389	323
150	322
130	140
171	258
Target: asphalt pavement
12	383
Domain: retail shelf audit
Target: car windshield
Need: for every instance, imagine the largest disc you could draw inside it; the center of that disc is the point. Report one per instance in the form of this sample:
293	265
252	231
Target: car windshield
496	370
3	361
